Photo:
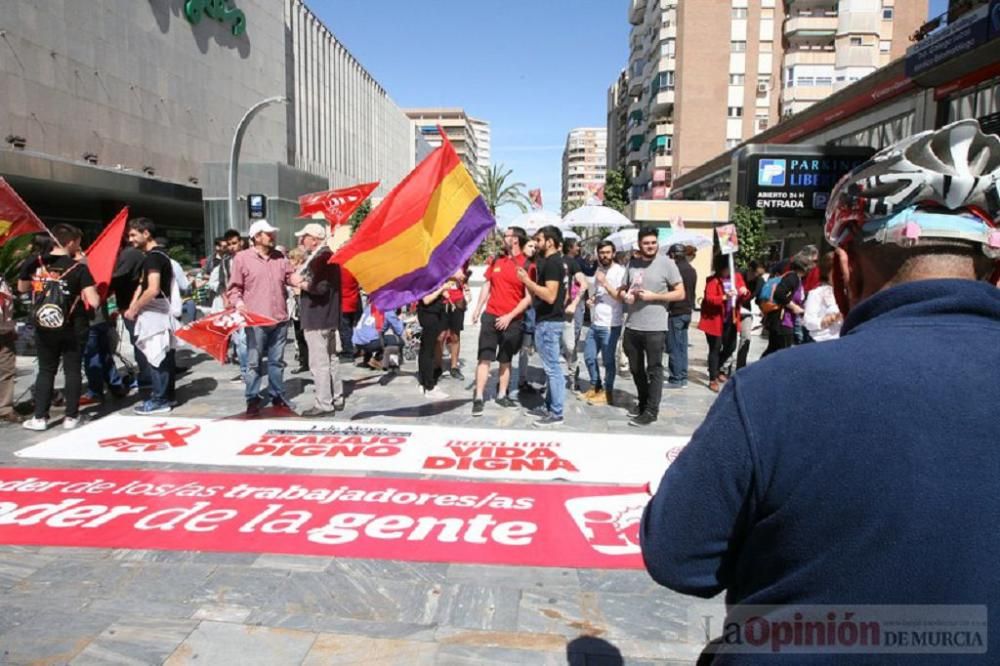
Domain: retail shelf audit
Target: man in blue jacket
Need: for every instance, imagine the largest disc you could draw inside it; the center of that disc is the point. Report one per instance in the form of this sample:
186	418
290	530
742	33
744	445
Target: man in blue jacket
862	471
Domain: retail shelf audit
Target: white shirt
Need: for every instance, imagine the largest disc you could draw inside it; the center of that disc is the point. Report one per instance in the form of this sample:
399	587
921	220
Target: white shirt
819	303
606	311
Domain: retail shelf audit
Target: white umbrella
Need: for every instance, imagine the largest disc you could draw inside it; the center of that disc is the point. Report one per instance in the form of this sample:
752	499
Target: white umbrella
569	234
624	239
596	216
534	220
687	238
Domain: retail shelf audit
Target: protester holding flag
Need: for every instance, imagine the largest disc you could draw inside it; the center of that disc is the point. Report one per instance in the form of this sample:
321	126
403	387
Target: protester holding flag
260	277
505	300
319	314
720	317
154	313
60	284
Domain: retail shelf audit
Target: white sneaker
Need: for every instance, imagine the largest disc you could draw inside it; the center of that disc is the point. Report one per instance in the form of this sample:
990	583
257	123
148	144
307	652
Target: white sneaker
69	422
435	394
35	423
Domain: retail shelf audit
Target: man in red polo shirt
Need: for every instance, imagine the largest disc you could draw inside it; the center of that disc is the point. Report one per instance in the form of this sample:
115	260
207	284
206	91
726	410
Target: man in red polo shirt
350	312
505	300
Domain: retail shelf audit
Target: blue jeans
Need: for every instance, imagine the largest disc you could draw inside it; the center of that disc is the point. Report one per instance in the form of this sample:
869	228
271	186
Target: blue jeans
677	343
162	378
99	362
548	335
603	340
266	341
239	340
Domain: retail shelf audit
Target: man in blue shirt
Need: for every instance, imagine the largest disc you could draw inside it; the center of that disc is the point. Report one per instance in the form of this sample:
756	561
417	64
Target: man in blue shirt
863	471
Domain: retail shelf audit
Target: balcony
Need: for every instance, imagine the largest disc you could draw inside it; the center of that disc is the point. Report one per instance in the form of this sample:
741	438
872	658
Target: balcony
663	161
800	93
792	6
824	56
668	32
637	8
810	30
634	157
662	102
664	128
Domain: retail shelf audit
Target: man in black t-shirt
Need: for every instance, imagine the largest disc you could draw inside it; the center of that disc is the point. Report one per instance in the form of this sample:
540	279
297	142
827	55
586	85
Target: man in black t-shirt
63	343
154	323
549	299
680	319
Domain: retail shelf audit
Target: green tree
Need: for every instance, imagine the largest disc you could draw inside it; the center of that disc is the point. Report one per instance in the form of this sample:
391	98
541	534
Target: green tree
616	186
497	191
750	230
568	206
359	214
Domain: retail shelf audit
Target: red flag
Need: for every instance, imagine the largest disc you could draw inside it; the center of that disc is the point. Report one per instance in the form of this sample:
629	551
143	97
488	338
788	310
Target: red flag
103	252
16	219
211	333
336	205
535	196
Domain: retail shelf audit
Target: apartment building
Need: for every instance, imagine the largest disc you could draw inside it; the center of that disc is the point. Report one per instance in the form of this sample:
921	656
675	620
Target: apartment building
481	128
584	164
457	125
618	103
705	75
829	44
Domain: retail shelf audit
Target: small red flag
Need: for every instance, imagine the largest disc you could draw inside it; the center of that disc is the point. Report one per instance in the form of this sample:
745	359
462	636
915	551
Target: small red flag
103	252
16	219
535	196
335	205
211	333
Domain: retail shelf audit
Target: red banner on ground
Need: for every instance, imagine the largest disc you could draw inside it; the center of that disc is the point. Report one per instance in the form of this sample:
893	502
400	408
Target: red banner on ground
377	518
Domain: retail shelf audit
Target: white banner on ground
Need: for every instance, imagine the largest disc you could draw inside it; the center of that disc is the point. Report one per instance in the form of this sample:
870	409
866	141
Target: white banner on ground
328	445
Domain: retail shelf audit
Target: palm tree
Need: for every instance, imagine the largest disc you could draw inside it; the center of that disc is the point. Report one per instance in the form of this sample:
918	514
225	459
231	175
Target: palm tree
492	184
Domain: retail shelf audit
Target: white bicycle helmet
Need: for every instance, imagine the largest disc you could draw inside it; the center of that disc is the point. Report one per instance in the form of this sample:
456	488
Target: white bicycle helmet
939	184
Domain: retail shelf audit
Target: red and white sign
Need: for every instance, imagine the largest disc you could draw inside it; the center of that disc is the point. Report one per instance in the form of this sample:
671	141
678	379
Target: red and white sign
522	455
401	519
335	205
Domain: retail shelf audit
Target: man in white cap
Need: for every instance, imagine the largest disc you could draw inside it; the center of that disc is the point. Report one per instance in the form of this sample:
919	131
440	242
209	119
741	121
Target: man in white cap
320	317
258	282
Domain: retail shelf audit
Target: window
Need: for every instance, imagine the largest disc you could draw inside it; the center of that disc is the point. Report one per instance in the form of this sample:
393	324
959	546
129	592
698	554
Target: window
885	46
766	14
739	12
736	79
761	123
824	81
668	48
735	112
766	47
856	41
732	143
738	47
887	13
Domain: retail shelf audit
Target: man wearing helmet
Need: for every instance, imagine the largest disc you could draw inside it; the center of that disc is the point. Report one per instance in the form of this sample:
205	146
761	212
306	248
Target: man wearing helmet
879	488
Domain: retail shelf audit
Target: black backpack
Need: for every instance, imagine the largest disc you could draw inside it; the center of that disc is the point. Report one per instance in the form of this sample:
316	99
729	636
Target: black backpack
52	299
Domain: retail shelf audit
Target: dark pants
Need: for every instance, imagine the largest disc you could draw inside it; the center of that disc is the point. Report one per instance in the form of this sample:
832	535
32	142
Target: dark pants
720	348
301	346
677	348
432	324
348	320
99	361
53	346
779	338
163	379
644	350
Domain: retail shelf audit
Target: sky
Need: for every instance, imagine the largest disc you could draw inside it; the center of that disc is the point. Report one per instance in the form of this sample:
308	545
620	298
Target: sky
535	69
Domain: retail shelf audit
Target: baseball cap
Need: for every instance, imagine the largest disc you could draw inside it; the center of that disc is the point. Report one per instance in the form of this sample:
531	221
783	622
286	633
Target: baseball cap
261	226
317	231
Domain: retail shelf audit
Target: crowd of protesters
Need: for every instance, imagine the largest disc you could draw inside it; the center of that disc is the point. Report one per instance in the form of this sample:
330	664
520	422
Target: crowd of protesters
540	295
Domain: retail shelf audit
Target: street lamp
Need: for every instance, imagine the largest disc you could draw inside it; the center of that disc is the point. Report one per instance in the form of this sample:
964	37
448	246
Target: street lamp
234	155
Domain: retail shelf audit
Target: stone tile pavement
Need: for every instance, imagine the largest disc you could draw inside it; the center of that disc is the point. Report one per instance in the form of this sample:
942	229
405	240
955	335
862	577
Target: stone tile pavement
106	606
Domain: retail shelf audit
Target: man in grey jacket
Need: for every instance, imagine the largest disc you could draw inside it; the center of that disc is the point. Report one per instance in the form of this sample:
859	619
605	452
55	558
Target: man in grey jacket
319	314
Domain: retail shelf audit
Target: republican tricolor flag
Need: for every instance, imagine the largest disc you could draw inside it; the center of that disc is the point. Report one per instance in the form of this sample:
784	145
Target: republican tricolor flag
420	234
16	219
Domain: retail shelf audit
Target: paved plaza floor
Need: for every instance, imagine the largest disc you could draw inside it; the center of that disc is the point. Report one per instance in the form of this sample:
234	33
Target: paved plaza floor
102	606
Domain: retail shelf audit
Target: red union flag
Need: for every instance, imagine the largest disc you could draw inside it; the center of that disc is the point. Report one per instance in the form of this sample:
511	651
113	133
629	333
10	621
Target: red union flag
335	205
535	197
211	334
103	252
16	219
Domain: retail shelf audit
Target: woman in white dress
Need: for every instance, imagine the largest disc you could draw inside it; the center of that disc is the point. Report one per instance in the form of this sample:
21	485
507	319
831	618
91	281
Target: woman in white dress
822	316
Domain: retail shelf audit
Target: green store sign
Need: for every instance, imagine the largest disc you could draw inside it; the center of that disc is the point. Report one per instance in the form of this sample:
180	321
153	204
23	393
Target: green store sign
222	11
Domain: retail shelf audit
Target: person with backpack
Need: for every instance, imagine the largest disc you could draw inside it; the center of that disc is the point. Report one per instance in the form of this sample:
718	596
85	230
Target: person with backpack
154	310
60	284
781	300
